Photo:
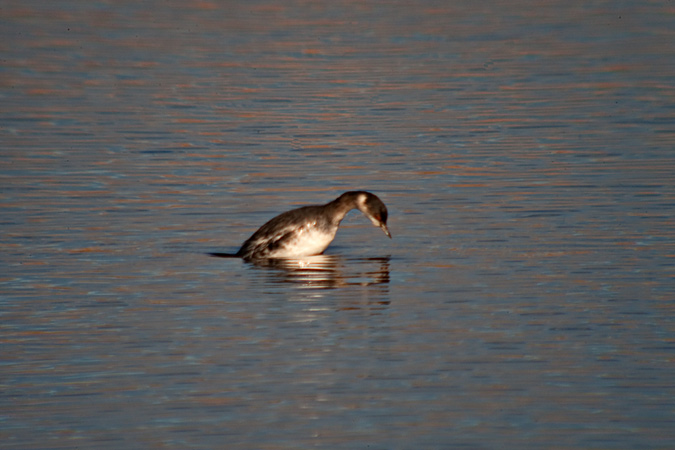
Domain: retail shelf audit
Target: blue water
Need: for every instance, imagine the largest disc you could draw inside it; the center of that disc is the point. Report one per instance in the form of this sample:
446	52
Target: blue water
525	155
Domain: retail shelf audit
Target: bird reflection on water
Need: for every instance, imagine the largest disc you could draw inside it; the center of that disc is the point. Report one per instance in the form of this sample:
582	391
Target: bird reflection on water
327	271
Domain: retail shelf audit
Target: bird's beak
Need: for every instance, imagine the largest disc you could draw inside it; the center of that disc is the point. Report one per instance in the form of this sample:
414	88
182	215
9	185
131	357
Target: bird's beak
385	229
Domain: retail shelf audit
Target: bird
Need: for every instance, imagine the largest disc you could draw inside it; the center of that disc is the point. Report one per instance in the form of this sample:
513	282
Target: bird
309	230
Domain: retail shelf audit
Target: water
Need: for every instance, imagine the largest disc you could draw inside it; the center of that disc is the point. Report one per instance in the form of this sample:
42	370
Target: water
526	158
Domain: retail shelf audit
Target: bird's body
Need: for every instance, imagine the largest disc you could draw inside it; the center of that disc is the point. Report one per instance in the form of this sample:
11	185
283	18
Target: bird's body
309	230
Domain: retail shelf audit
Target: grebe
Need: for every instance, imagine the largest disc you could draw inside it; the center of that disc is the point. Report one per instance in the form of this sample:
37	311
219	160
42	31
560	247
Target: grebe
309	230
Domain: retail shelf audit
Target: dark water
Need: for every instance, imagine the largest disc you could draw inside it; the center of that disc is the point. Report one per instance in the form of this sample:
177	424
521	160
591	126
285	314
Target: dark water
526	154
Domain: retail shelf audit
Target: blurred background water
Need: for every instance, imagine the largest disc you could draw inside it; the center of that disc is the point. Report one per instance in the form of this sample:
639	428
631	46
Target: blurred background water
525	153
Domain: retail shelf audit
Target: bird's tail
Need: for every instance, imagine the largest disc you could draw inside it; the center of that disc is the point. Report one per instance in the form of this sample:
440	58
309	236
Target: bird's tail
225	255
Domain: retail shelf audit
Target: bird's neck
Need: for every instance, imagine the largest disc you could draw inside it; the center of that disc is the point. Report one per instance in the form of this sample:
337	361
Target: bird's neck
339	207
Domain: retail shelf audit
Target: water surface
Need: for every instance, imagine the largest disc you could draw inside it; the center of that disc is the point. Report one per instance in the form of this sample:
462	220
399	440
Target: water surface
526	158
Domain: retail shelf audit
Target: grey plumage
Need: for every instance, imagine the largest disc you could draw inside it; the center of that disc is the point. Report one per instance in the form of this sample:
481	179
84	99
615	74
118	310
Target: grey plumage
309	230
